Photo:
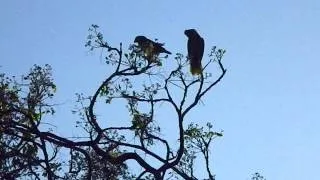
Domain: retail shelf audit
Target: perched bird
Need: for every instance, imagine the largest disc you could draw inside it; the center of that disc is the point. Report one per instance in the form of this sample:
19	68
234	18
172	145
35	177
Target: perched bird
195	50
150	48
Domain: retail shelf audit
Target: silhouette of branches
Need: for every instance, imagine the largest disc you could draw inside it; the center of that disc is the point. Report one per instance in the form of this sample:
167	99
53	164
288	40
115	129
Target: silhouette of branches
29	150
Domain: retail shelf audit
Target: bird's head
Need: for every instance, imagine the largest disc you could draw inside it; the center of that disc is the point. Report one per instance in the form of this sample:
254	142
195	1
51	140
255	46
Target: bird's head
190	33
140	39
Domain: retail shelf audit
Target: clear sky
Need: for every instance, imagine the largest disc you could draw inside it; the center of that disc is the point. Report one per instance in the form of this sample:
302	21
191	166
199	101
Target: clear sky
267	104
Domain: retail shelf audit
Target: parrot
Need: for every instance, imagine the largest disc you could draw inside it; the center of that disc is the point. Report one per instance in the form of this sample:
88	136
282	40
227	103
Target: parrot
150	48
195	51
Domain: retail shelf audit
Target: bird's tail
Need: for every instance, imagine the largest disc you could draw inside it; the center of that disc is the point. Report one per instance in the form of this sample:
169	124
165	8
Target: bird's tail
195	68
165	51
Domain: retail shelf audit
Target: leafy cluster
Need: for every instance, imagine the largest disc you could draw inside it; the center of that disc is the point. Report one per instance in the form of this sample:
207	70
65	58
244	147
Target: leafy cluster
22	107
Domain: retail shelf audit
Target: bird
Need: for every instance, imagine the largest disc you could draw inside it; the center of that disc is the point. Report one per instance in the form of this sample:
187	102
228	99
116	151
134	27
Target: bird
195	50
150	48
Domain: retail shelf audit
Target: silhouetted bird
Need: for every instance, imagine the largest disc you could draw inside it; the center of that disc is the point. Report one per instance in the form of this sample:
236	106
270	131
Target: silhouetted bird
150	48
195	50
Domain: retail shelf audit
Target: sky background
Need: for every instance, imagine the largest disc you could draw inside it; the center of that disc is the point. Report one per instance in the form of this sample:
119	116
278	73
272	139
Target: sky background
267	104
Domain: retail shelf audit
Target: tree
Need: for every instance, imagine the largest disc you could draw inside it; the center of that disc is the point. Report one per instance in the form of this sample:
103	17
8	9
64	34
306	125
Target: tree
30	150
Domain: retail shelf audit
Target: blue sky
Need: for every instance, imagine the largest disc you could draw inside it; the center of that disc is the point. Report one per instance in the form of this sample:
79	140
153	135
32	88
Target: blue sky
267	104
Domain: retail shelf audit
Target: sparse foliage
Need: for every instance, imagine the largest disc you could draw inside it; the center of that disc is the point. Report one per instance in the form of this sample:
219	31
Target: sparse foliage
258	176
29	150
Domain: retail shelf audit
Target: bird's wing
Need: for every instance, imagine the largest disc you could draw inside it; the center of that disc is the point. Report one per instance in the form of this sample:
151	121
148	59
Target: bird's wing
200	48
190	48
